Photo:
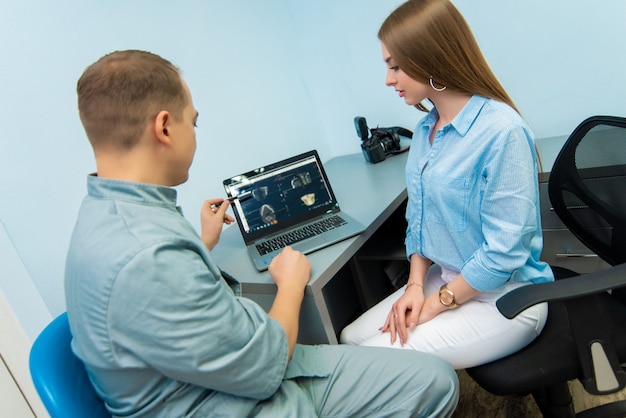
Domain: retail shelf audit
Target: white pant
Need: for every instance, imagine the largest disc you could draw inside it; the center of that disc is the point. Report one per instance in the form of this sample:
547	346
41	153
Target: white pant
475	333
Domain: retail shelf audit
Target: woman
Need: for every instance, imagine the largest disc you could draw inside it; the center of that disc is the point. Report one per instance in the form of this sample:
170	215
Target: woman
474	228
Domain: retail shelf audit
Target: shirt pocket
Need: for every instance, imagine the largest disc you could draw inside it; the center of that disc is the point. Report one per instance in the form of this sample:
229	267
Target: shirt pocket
446	202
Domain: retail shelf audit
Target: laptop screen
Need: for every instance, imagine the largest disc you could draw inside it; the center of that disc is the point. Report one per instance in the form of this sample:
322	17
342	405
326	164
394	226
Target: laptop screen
275	197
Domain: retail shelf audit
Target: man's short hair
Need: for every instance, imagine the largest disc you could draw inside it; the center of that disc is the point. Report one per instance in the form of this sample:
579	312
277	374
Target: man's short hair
122	92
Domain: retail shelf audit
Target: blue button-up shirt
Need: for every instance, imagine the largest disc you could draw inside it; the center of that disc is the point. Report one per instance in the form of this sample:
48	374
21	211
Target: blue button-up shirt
474	197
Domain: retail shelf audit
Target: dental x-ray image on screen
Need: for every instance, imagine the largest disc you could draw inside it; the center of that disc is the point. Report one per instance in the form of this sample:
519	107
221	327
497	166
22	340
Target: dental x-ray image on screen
289	202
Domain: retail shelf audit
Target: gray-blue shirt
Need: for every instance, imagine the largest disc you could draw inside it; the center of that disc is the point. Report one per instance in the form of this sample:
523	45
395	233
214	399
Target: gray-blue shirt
159	329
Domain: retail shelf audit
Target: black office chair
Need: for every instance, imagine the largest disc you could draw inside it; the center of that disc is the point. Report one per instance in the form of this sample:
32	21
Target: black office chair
585	334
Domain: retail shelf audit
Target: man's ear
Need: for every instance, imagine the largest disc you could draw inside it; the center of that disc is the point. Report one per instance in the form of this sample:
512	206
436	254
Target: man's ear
161	126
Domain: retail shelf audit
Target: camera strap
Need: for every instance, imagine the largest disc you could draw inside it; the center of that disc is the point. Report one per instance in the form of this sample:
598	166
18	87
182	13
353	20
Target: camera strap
398	130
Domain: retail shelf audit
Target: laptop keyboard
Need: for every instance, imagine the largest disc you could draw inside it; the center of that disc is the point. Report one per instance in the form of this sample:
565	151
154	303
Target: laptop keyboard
292	237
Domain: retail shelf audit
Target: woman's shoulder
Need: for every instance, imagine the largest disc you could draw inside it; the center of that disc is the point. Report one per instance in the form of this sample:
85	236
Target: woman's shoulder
500	114
500	110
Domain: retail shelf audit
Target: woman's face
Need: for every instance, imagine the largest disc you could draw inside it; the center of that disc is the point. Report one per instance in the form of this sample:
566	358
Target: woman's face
413	92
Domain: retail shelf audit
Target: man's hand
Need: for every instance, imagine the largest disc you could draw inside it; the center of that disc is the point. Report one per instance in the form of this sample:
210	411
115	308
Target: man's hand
212	217
291	271
290	268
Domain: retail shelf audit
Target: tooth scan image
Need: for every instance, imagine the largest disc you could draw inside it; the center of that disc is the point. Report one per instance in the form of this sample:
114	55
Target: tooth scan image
260	193
308	199
268	214
279	197
301	180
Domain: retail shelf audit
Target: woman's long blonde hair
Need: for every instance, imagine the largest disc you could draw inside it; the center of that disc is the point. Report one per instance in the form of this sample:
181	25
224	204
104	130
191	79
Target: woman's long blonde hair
430	38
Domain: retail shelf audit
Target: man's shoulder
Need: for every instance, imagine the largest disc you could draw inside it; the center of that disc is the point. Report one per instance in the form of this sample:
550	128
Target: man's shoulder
109	235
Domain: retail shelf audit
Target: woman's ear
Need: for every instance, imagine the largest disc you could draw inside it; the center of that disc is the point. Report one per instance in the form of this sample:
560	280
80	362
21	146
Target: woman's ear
161	125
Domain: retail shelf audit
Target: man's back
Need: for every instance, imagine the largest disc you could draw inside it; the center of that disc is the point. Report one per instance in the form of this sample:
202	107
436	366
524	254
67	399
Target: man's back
146	305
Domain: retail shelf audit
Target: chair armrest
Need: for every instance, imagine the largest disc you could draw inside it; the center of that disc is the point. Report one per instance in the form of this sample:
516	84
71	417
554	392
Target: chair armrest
516	301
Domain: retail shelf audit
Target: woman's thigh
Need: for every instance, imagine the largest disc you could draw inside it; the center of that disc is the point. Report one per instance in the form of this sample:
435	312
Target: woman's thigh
369	323
474	333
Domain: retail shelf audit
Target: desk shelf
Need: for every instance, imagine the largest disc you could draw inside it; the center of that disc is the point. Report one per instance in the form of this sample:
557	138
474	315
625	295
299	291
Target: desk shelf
380	266
383	248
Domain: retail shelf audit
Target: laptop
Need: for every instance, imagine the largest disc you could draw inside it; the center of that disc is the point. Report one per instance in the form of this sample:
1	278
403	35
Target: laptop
289	202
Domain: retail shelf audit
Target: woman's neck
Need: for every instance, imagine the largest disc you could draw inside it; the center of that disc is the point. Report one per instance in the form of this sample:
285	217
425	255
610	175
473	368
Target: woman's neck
449	104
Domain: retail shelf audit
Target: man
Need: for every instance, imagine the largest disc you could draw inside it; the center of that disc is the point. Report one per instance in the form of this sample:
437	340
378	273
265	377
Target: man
159	329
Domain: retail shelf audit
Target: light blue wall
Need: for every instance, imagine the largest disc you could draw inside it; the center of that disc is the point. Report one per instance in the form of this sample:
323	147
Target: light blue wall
560	60
269	79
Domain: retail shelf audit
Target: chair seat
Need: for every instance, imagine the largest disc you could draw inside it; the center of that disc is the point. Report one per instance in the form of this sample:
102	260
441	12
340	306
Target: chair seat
556	343
60	377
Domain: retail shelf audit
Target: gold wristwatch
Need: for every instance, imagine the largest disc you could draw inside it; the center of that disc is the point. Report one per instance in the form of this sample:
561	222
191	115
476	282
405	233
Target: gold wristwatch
446	297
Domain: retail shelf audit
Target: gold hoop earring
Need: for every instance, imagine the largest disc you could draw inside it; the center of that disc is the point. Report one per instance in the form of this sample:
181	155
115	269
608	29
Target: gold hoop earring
435	88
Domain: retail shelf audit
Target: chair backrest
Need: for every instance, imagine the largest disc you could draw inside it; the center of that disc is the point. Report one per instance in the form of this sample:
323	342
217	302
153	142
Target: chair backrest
60	377
587	186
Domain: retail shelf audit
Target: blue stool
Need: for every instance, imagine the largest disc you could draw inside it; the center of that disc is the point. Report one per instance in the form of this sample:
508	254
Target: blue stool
60	377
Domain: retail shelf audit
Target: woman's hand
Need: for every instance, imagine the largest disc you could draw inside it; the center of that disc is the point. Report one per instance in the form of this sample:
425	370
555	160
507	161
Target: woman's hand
404	313
431	308
212	218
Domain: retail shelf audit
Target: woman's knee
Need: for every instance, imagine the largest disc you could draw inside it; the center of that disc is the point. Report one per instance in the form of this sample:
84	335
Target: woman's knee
349	335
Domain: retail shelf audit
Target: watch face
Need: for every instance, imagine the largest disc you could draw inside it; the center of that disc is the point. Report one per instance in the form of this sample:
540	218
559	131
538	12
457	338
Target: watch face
446	298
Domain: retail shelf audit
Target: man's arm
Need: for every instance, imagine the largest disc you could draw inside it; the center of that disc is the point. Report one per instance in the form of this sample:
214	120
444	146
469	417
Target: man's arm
291	271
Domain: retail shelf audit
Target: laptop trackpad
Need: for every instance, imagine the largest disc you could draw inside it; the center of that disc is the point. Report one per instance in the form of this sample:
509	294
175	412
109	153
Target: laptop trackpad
309	245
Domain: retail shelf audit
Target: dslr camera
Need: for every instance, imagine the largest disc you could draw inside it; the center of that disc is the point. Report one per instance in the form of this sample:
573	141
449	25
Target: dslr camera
382	141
